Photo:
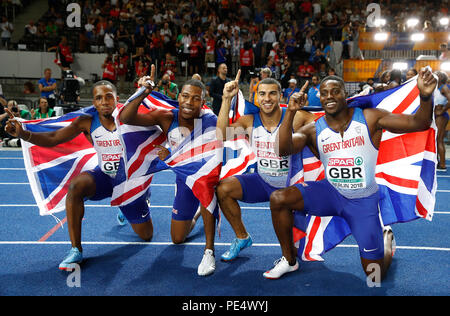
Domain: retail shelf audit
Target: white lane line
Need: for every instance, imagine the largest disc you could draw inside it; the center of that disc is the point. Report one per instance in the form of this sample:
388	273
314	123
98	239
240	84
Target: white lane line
155	243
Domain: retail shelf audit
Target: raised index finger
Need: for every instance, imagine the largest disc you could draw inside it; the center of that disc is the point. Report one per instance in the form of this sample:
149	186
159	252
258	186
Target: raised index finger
305	86
152	72
238	75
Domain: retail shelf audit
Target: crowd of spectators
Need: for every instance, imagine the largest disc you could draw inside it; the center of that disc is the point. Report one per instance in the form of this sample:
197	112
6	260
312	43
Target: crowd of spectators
294	38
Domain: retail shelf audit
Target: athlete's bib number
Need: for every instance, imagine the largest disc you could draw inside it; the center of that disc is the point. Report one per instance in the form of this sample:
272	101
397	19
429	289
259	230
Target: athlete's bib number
110	163
346	173
273	167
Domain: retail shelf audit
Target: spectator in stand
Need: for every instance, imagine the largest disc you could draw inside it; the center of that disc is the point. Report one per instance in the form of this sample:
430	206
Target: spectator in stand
182	44
221	53
210	44
168	88
64	57
195	55
166	34
142	69
236	45
6	29
140	39
411	73
156	44
109	38
289	91
254	83
444	52
122	68
47	87
169	66
287	72
216	87
247	61
28	88
30	28
269	37
51	29
122	37
43	111
109	67
305	72
314	93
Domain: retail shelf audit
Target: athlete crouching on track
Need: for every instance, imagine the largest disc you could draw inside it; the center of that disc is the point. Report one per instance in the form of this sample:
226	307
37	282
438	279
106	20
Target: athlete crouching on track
176	125
95	184
272	170
358	205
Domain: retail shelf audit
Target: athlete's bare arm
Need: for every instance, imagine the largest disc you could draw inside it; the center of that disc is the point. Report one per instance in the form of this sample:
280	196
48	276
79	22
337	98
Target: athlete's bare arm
241	125
130	115
378	119
49	139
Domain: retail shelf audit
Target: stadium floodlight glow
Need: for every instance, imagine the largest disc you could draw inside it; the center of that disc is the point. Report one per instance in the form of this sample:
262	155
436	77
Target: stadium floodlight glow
380	22
381	36
443	21
412	22
417	37
445	66
400	65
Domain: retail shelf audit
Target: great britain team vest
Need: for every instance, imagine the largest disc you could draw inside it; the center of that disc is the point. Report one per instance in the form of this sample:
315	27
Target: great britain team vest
350	160
272	168
107	145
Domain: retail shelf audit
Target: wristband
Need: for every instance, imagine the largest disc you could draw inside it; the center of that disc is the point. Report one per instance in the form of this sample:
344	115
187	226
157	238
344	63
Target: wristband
422	98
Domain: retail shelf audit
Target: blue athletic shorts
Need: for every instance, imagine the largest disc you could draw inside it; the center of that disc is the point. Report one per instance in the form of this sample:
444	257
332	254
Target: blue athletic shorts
185	204
254	188
136	212
362	215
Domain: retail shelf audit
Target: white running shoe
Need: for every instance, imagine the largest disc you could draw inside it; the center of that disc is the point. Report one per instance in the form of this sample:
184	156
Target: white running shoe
208	264
281	267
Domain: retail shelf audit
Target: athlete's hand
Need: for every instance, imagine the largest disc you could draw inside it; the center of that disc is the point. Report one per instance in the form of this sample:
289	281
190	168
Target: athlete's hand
13	127
426	82
148	81
163	152
298	99
231	88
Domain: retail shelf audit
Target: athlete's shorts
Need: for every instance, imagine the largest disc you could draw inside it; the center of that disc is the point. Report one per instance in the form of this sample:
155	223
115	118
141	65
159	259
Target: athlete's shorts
254	188
185	204
136	212
362	215
446	115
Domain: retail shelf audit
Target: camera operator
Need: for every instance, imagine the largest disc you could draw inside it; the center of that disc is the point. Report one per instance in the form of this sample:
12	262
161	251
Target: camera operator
168	88
8	140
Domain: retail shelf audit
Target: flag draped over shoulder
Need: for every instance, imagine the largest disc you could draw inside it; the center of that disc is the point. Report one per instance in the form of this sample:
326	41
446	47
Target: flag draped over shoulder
50	170
405	173
197	160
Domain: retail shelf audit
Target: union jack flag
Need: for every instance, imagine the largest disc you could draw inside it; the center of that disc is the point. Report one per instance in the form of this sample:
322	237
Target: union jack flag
50	170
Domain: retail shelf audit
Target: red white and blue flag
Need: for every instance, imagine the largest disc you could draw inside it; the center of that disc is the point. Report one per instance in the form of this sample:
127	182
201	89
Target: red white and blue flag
50	170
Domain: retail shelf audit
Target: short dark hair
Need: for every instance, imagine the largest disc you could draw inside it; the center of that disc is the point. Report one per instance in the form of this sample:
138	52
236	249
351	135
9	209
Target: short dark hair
270	81
335	78
105	83
196	83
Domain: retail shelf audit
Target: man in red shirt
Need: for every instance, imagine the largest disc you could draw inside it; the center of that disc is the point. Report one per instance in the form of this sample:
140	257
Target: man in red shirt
195	54
109	70
247	60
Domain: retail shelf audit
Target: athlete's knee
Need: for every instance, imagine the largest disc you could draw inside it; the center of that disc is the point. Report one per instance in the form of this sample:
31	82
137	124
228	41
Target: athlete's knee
226	188
78	187
144	231
278	199
177	238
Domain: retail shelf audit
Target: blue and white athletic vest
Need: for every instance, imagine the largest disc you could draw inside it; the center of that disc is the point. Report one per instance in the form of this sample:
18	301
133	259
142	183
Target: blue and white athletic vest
272	168
107	145
349	161
174	135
